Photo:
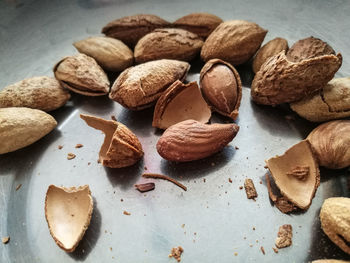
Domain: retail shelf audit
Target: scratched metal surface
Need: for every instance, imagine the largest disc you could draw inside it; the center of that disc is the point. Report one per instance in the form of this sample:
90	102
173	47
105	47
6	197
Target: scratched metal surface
218	219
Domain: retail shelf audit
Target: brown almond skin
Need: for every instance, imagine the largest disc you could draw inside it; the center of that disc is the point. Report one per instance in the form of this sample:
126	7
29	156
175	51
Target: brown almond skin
308	48
130	29
271	48
201	24
168	43
234	41
42	93
280	80
191	140
221	87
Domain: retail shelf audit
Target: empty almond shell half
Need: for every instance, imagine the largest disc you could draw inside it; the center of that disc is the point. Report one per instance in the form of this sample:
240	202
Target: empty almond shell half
121	147
296	174
81	74
178	103
68	213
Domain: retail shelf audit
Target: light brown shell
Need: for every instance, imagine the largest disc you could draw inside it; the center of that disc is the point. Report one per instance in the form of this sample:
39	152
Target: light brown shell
139	87
234	41
330	103
81	74
21	127
121	147
68	213
201	24
271	48
221	87
299	192
42	93
168	43
110	53
130	29
335	221
178	103
329	261
331	144
280	80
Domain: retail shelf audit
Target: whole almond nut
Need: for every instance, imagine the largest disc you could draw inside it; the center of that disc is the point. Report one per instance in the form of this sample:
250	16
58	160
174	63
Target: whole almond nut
271	48
42	93
192	140
280	80
168	43
111	54
21	127
81	74
234	41
140	87
309	48
201	24
221	87
330	103
130	29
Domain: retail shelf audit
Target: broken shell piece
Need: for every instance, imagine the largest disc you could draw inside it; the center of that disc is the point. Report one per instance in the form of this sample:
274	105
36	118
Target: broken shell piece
295	191
250	189
329	261
284	236
68	213
121	147
178	103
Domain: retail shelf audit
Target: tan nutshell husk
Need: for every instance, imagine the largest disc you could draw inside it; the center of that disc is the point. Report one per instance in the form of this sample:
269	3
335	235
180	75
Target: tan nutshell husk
271	48
330	261
280	80
110	53
178	103
308	48
81	74
68	212
130	29
168	43
330	103
201	24
331	144
296	191
121	147
139	87
42	93
335	221
192	140
21	127
234	41
221	87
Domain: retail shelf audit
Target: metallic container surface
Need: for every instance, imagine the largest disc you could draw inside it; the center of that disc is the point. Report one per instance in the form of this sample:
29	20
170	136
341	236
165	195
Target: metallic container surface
213	221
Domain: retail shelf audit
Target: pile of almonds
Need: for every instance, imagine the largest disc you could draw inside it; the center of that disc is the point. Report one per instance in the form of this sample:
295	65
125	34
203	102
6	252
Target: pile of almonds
152	58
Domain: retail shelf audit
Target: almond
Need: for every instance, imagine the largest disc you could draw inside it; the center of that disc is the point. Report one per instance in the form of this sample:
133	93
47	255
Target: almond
140	87
234	41
168	43
42	93
130	29
192	140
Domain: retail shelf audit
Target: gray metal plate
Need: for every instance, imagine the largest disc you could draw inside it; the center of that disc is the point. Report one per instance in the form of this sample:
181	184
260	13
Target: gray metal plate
218	218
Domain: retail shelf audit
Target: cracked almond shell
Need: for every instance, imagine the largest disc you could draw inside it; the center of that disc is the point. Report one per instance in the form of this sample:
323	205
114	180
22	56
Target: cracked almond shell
234	41
81	74
298	192
42	93
329	261
68	213
331	144
20	127
168	43
139	87
335	221
121	147
221	87
110	53
178	103
280	80
330	103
